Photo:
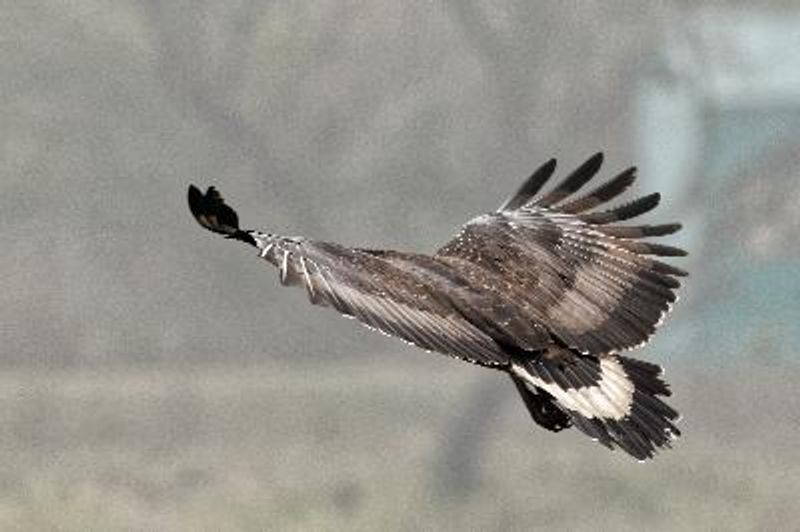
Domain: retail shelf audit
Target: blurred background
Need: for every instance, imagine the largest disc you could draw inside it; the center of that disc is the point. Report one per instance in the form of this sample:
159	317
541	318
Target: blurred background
155	377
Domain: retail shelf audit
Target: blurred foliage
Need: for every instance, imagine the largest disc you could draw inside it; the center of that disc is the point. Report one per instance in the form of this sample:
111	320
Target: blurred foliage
228	449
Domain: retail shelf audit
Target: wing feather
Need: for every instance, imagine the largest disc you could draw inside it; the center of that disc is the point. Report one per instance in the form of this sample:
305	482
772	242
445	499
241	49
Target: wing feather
632	209
641	231
595	287
530	187
602	194
572	183
380	294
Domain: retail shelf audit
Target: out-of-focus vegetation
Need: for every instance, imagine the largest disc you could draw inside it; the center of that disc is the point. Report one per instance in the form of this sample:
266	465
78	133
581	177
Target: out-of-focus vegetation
156	377
271	449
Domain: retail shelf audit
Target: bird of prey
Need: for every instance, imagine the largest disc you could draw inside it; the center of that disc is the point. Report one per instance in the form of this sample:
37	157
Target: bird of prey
548	289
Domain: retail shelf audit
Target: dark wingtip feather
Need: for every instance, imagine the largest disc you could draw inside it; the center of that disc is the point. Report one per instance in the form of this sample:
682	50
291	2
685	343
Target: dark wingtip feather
195	198
212	213
639	206
573	182
668	269
650	248
666	251
639	231
663	229
629	210
650	201
602	194
530	187
593	163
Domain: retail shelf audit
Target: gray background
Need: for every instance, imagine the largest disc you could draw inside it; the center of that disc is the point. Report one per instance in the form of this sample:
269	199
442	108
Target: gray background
156	377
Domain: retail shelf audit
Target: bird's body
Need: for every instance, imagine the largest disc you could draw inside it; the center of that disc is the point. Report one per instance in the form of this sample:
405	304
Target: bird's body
541	289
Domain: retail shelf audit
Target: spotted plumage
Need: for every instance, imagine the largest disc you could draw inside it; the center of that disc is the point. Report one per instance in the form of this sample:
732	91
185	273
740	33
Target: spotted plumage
548	288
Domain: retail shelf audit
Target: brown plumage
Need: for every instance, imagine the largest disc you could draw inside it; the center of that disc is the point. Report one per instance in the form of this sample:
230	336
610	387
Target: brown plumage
542	289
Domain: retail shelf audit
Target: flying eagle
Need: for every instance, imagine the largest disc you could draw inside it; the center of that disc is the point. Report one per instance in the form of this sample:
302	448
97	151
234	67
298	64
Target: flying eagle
548	289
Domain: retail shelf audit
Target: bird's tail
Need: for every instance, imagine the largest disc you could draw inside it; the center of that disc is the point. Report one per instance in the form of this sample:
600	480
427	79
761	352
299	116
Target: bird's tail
613	399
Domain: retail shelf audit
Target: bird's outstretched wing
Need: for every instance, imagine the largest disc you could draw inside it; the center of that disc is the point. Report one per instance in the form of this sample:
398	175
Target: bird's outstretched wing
382	289
379	289
591	282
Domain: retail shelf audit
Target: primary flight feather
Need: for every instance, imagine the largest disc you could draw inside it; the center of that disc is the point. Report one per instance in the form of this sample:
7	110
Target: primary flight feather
548	289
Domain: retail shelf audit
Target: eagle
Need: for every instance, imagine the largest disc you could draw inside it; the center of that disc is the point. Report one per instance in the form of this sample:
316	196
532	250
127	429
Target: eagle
550	288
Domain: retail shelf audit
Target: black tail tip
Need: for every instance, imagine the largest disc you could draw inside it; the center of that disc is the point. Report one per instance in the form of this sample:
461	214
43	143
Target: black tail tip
615	400
649	426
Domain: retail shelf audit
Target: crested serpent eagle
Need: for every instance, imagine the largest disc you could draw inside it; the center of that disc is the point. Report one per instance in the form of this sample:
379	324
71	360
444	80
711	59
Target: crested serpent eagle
550	288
